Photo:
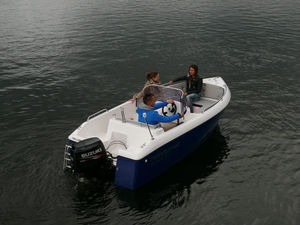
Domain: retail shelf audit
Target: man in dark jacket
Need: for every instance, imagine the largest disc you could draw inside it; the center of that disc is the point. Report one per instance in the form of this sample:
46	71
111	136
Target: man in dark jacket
152	116
193	85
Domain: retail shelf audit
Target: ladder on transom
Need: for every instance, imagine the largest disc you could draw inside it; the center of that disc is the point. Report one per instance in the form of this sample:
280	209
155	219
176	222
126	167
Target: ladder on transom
67	157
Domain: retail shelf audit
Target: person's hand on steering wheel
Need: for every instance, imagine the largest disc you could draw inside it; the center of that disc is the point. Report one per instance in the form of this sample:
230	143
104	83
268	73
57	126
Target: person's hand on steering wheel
170	101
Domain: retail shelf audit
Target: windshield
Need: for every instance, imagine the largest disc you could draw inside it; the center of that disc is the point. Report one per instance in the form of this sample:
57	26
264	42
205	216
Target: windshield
164	93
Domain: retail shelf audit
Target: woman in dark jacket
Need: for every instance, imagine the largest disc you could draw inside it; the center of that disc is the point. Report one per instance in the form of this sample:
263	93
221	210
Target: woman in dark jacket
193	85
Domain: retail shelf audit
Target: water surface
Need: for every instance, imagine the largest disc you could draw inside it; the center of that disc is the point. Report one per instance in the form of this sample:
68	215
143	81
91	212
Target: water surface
61	61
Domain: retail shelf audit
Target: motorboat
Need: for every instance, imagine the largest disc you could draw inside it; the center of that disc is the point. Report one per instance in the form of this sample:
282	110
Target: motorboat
138	151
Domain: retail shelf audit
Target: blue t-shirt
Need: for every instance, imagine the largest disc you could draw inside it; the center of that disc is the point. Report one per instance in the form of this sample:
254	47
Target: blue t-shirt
153	117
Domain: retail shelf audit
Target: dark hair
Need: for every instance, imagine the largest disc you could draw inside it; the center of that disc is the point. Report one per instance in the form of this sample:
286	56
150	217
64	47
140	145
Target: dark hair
151	75
195	67
147	98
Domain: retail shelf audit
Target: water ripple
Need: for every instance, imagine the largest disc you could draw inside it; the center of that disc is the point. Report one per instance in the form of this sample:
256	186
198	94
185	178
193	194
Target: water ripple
61	61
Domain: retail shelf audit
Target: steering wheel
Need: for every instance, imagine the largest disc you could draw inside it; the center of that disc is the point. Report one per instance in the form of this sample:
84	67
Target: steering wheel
170	109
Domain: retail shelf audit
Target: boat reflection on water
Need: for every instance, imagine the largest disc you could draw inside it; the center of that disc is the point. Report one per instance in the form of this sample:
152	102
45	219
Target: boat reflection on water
195	168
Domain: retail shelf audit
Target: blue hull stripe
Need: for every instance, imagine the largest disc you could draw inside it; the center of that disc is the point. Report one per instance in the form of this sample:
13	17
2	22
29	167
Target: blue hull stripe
132	174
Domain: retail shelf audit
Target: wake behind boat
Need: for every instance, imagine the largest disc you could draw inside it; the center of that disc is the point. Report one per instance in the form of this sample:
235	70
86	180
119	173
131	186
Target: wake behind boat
141	152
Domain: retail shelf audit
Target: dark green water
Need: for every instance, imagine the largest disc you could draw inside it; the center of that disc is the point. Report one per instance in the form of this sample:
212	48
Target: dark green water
61	61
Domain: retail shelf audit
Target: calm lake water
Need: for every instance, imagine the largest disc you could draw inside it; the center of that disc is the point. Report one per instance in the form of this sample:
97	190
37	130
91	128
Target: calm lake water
61	61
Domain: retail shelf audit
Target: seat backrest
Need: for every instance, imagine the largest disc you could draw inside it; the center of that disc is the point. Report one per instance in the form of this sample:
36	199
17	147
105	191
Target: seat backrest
180	85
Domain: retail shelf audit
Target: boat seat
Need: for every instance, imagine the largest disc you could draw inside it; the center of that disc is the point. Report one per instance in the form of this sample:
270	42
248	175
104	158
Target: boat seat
198	105
131	132
204	104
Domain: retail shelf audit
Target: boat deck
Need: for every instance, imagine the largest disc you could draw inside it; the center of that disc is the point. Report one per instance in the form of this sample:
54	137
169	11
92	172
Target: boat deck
204	104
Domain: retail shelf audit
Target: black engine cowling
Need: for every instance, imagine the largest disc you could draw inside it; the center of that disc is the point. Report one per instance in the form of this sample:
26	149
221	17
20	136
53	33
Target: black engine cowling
87	153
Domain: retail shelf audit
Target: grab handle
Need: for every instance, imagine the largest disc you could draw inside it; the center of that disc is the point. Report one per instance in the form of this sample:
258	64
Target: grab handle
97	113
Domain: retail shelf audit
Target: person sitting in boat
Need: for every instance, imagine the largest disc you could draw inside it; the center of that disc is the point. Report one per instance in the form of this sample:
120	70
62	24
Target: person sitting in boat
152	78
152	116
193	85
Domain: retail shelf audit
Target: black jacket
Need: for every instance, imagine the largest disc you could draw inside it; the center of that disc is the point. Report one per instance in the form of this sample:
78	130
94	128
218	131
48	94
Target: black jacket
193	85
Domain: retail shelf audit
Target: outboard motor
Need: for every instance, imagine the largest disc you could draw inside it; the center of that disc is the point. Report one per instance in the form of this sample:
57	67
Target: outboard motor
87	153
